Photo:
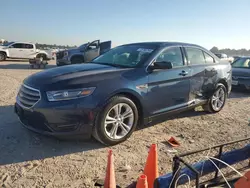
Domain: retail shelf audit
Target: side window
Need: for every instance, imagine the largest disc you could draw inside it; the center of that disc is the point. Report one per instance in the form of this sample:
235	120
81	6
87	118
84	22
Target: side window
17	45
172	55
195	56
28	46
208	58
93	45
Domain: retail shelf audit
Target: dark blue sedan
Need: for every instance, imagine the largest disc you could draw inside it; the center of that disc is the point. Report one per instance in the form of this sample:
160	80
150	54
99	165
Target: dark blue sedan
128	86
241	73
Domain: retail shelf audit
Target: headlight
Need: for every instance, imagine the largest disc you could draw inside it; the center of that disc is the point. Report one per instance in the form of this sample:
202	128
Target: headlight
69	94
66	53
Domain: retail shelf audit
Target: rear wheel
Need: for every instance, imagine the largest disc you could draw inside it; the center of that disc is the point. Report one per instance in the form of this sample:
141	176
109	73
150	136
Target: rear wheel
116	121
41	57
2	56
217	100
42	66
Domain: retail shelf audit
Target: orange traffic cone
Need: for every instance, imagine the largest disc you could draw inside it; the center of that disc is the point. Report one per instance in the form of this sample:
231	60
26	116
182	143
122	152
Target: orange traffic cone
142	182
110	172
151	167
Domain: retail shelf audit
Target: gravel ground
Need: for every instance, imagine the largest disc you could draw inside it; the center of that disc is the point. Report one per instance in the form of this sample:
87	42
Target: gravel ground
31	160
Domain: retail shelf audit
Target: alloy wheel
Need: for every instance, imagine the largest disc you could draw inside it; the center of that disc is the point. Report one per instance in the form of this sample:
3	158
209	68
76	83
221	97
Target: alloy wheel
119	121
218	99
1	56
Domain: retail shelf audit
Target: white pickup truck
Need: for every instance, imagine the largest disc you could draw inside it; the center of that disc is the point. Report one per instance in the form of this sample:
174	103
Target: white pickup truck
22	50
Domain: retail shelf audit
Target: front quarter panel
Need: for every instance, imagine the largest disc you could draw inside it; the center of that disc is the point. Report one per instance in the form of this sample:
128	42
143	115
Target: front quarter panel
132	82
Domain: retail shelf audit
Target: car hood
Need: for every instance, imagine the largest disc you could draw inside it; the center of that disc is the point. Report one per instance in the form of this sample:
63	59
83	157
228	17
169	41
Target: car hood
245	72
70	73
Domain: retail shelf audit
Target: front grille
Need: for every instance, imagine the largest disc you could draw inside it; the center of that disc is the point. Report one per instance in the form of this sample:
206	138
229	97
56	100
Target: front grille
59	55
27	96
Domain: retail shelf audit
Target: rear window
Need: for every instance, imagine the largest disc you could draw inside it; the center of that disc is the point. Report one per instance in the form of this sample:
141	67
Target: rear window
195	56
208	58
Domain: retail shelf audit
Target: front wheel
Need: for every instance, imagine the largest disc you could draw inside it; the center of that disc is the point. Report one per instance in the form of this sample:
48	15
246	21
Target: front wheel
217	100
2	56
116	121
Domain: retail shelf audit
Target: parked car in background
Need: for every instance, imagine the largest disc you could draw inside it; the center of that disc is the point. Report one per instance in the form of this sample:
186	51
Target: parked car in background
241	73
128	86
221	55
22	50
224	57
84	53
236	57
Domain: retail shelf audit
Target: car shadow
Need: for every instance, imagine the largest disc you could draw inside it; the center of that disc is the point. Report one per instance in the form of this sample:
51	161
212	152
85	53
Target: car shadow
239	93
17	144
23	66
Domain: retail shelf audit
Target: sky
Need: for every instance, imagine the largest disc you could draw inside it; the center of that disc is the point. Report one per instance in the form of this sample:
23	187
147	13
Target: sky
221	23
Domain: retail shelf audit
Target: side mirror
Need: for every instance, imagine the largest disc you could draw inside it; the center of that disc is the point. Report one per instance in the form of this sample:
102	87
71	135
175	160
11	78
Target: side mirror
10	46
162	65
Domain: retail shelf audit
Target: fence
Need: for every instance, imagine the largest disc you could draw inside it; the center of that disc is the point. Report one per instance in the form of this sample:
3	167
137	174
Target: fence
202	171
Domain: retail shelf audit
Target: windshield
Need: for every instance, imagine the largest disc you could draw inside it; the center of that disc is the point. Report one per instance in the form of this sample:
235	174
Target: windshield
242	63
83	46
126	56
7	44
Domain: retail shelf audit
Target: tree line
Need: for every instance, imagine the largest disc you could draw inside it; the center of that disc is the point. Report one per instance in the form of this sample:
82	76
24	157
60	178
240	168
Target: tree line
231	52
44	46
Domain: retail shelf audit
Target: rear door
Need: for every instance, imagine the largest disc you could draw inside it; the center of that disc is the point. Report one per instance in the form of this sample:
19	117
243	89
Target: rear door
105	46
169	89
15	50
203	72
28	51
92	51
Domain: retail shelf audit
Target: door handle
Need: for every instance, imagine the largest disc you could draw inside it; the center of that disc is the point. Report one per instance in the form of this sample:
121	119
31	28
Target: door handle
20	50
183	73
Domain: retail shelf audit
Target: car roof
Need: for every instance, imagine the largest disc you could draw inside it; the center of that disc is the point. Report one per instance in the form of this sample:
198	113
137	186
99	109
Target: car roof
22	42
161	44
244	57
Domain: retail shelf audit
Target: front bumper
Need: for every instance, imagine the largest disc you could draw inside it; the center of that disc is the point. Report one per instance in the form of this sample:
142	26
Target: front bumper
241	83
61	62
63	122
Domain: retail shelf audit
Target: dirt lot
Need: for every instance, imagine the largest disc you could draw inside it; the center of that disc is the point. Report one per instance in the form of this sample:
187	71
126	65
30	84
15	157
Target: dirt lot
31	160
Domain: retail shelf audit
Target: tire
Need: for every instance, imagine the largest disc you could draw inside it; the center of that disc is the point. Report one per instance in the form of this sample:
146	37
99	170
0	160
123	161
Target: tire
41	57
42	66
77	60
2	56
211	105
103	133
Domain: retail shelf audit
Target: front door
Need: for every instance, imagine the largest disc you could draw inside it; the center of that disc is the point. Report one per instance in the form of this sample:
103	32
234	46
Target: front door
92	51
169	89
105	46
15	50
